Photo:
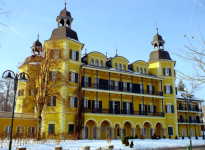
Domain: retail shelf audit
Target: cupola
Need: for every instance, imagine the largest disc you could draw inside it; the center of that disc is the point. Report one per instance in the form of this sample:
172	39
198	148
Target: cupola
158	42
36	47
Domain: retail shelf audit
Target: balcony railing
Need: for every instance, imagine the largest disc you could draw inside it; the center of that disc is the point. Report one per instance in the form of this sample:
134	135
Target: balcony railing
191	121
127	112
124	89
18	115
190	109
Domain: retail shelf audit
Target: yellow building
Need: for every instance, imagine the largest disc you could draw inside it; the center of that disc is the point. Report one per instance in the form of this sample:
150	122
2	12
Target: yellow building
195	115
119	97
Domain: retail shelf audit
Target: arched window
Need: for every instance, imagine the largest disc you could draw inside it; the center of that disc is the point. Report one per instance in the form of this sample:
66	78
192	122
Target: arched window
20	131
120	67
144	70
91	62
94	132
96	62
124	68
86	132
141	70
184	132
7	130
137	69
101	63
116	66
31	132
192	132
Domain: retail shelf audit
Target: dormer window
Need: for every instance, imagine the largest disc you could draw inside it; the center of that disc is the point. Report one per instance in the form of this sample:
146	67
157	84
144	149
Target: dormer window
116	66
124	68
141	70
96	62
101	63
120	67
91	62
137	69
144	70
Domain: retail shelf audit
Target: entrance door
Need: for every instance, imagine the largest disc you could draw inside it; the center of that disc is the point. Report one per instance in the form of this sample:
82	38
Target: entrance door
94	133
145	132
86	132
118	133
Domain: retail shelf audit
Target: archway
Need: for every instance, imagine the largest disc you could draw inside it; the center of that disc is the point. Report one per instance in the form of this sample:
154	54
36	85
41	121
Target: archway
105	129
117	131
138	130
90	130
159	129
147	132
127	128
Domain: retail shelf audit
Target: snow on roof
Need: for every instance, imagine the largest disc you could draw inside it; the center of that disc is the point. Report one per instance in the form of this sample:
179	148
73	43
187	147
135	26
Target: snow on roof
180	93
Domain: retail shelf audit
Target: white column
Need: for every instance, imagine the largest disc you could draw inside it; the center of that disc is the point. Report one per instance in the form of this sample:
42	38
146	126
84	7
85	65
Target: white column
121	132
112	130
98	133
83	133
133	132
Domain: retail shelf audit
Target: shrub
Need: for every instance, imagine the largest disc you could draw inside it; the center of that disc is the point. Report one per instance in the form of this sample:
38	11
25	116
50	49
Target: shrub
169	136
123	140
176	137
196	137
131	144
131	137
154	136
164	137
159	137
127	137
136	137
182	137
127	143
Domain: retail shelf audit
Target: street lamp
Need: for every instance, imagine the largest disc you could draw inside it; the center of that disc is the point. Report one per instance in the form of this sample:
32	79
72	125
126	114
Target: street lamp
10	75
187	101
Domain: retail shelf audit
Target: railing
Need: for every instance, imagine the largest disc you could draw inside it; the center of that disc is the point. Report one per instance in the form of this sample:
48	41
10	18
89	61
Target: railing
124	89
18	115
190	109
191	121
127	112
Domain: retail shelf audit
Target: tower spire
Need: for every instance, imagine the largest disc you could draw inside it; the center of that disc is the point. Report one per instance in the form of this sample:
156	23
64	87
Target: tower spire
38	34
65	4
116	50
85	51
156	27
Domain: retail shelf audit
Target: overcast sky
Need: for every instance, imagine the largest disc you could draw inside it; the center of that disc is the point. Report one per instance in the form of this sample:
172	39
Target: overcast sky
103	24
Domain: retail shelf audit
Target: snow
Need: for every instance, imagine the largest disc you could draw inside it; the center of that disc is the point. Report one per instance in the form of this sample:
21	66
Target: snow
94	144
112	69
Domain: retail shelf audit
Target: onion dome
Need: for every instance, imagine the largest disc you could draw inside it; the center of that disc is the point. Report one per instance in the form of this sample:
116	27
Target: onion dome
158	42
36	47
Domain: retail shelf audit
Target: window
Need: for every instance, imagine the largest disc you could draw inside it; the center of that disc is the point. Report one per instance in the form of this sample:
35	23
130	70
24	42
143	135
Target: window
168	89
51	129
54	54
142	108
20	131
96	104
137	69
74	55
141	70
73	77
71	128
170	130
192	132
31	92
21	92
91	62
96	82
169	108
96	63
118	132
85	103
120	67
184	132
150	89
73	102
151	109
53	75
7	130
144	70
115	85
124	68
140	88
116	66
86	132
124	86
52	101
167	71
101	63
128	107
86	81
31	132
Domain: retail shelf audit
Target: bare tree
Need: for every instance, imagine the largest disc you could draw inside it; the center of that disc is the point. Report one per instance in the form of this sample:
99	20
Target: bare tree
45	83
196	57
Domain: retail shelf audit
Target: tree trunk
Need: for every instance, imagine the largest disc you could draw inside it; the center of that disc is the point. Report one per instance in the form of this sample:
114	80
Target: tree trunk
39	126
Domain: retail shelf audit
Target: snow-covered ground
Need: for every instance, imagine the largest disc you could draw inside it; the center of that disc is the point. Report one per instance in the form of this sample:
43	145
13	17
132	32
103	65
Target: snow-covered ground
94	144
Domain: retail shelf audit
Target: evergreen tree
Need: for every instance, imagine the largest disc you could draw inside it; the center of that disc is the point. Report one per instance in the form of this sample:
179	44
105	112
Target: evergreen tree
181	85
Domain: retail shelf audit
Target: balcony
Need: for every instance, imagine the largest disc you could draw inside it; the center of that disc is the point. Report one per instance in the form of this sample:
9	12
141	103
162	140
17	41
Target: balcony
18	115
191	121
122	89
122	112
190	109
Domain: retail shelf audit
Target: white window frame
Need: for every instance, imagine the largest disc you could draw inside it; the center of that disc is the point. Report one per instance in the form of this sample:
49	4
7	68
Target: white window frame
141	71
101	63
192	132
124	86
145	70
130	87
169	109
140	88
86	80
96	63
7	130
150	89
51	103
120	67
115	66
96	82
167	88
92	62
85	103
142	107
73	55
183	117
128	107
151	109
184	132
72	99
124	68
116	84
96	104
137	69
72	77
166	71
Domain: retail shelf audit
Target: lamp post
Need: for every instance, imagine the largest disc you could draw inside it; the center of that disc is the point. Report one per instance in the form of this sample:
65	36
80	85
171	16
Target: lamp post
187	101
16	77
